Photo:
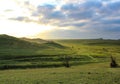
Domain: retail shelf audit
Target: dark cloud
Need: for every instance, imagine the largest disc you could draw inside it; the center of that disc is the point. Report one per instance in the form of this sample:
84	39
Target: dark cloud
101	16
115	6
70	7
92	4
21	18
56	15
86	10
45	8
111	21
78	24
49	13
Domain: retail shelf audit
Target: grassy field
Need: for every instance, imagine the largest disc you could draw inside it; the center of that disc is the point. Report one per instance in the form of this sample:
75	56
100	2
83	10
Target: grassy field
29	61
53	54
99	73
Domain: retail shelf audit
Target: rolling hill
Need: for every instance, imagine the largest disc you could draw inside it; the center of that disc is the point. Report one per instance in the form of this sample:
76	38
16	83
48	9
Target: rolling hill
36	40
10	42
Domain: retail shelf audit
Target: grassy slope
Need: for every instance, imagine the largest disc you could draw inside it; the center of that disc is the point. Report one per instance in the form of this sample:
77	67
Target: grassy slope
8	42
18	53
37	40
14	46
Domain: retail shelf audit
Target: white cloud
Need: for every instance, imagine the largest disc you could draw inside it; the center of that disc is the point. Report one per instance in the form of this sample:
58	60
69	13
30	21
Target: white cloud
22	29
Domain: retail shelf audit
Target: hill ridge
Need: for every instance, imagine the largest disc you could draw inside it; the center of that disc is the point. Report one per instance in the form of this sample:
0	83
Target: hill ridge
7	41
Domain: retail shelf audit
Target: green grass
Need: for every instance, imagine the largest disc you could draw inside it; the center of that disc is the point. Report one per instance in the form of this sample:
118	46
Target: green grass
34	62
18	53
98	73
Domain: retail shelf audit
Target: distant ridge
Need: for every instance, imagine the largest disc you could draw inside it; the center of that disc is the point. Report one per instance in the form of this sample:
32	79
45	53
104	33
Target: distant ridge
36	40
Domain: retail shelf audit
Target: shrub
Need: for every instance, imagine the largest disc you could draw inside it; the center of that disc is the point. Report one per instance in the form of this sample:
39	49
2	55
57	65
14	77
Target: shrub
113	63
66	61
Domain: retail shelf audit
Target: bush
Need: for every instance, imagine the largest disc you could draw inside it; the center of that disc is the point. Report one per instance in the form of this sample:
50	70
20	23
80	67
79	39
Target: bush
66	62
113	63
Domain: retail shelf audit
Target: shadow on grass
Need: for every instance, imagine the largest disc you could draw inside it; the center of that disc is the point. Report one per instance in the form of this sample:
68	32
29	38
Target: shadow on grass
7	67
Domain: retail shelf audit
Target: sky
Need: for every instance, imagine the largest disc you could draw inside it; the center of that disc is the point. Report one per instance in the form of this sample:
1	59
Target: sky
60	19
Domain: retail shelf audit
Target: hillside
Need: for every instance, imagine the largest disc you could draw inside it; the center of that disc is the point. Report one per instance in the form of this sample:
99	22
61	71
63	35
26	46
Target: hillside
10	42
36	40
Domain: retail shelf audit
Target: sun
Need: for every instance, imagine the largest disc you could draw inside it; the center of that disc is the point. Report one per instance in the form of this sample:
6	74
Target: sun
22	29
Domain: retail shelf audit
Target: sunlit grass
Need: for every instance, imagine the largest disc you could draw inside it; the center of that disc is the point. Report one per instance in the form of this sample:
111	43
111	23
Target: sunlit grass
84	74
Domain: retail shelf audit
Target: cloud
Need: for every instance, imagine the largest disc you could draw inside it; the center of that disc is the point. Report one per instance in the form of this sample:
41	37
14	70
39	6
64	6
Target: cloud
68	34
20	18
24	19
89	16
111	21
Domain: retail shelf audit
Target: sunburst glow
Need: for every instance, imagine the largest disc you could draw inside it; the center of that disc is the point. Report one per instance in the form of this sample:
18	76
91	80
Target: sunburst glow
21	29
